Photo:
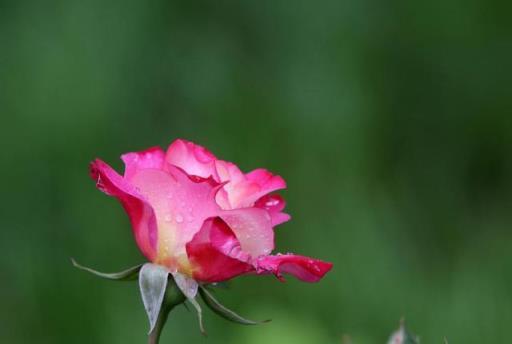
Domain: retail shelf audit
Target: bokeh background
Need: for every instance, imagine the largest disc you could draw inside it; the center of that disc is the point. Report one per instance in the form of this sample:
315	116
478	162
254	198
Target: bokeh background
390	121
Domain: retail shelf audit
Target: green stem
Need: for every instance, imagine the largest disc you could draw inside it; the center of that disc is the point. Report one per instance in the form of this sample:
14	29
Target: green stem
154	336
173	296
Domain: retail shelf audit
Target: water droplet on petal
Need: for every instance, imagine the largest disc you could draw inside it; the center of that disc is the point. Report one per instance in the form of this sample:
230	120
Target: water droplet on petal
179	218
272	202
168	218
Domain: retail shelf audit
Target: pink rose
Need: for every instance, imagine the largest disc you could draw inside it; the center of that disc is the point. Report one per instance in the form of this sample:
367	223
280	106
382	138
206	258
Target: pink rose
202	217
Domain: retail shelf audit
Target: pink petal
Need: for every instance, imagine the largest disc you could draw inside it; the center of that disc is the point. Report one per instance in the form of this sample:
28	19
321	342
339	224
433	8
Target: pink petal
266	180
279	218
243	190
253	228
228	172
215	253
151	158
193	159
274	204
236	188
304	268
141	214
180	204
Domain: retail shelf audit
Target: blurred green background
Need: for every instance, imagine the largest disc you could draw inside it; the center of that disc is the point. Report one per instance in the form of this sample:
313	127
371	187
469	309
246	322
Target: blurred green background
390	121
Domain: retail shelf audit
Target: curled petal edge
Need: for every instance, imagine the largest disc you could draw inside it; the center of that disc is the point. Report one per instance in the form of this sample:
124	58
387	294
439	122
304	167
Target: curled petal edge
141	214
216	253
304	268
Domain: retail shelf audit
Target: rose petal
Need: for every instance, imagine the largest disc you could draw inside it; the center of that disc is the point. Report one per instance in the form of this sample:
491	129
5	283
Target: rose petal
267	183
304	268
180	205
215	253
253	228
193	159
151	158
279	218
243	190
236	188
266	180
274	204
228	172
140	212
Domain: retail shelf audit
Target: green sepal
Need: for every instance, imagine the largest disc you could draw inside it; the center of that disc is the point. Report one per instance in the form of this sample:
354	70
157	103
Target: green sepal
153	284
130	274
199	311
173	296
224	312
189	288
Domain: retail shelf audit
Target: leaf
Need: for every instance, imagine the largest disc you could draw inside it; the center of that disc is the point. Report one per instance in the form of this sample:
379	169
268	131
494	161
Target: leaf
126	275
224	312
152	283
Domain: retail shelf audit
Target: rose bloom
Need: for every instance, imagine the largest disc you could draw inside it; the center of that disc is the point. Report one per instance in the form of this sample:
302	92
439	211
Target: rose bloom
202	217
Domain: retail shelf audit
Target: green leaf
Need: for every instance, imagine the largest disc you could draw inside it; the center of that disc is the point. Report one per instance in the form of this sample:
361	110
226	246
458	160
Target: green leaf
152	283
224	312
126	275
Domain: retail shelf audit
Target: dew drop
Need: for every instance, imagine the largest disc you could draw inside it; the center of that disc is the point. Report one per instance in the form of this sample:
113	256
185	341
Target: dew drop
179	218
271	203
168	218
